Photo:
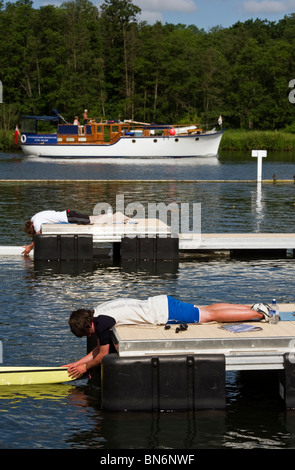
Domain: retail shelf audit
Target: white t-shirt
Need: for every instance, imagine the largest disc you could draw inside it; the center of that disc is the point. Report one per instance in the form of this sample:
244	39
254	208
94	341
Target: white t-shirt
48	217
154	310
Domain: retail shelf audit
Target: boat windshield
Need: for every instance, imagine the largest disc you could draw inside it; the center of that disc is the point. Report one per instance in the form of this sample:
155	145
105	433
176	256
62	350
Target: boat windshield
28	126
35	124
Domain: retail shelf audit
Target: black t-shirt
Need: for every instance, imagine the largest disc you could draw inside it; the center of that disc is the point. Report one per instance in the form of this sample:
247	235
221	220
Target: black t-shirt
103	325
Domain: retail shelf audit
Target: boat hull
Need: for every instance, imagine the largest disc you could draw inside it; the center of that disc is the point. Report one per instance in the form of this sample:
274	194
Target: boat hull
201	145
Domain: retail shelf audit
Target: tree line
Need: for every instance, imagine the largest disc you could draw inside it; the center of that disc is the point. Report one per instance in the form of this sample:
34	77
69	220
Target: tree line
78	56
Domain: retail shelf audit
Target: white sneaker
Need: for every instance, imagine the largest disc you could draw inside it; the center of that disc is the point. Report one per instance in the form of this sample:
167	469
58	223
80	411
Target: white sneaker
264	309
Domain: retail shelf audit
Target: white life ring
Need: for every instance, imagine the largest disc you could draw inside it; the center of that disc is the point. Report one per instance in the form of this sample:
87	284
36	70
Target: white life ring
23	139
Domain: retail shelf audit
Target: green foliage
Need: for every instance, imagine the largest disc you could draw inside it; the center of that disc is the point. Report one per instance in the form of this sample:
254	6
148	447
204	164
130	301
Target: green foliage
77	56
7	141
243	140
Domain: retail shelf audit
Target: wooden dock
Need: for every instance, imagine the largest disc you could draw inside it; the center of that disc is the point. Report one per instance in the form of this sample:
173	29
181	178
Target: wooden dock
237	241
153	227
187	243
160	369
111	233
263	349
197	242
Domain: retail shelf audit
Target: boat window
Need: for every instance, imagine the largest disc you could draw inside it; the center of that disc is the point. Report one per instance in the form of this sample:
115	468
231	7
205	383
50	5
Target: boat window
133	141
115	129
107	133
46	127
197	138
176	140
98	128
28	126
155	140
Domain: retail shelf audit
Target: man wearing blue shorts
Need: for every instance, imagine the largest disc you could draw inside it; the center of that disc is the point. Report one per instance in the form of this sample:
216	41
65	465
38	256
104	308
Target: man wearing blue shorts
157	310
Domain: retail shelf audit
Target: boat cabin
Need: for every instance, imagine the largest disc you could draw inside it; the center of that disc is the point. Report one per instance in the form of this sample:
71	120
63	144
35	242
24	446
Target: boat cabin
42	129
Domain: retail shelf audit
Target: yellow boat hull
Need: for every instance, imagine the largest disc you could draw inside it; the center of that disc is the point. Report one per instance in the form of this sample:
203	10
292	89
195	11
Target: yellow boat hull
33	375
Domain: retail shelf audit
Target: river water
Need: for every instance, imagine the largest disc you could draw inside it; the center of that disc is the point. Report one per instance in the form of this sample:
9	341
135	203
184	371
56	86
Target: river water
36	300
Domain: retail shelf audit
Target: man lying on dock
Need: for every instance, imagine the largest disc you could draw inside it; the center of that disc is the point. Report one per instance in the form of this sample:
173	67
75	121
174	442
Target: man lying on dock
157	310
33	225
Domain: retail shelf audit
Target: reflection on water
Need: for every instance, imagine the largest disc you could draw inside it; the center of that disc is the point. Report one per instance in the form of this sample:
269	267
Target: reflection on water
15	394
227	166
168	162
258	209
73	419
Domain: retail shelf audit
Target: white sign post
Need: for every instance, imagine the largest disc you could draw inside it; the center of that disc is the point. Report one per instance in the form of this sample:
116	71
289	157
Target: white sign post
259	154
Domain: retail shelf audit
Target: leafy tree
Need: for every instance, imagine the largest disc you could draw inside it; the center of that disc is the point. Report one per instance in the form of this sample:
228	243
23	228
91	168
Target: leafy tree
82	81
77	56
119	38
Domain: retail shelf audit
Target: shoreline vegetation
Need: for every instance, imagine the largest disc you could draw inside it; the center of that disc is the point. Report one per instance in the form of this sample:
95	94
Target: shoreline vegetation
232	140
244	140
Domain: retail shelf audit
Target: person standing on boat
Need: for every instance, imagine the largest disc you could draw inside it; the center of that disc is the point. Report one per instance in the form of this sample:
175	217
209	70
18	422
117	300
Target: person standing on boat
157	310
85	119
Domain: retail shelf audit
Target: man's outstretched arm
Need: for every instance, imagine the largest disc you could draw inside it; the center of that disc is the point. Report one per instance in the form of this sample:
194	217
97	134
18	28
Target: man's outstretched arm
93	359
